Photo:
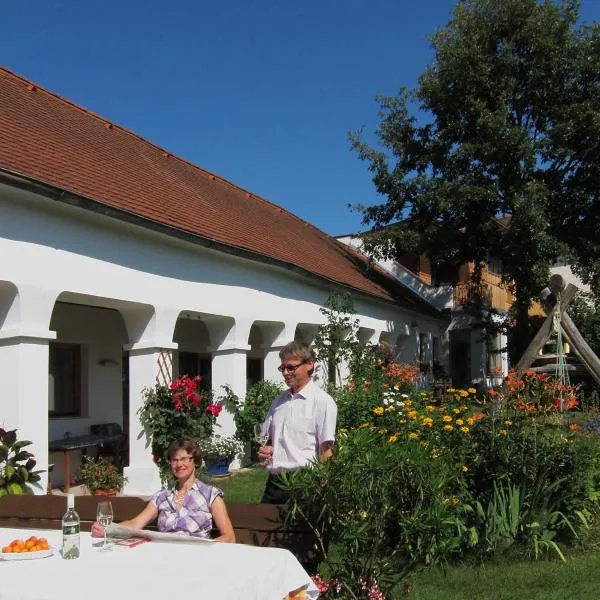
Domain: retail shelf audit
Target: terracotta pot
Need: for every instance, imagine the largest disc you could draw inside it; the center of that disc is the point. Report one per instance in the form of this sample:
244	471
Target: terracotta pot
105	492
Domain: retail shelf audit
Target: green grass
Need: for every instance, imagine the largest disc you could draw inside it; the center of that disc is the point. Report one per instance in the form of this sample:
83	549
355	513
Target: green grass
528	580
244	486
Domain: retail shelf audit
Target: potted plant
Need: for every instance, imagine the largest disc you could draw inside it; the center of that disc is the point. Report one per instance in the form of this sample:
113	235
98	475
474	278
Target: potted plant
16	465
218	452
101	477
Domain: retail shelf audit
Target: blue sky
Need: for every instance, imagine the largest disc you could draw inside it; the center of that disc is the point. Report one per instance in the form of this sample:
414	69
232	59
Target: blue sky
262	92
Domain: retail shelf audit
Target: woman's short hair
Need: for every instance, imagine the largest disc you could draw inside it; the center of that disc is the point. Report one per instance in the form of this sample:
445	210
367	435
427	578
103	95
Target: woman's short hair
187	445
300	350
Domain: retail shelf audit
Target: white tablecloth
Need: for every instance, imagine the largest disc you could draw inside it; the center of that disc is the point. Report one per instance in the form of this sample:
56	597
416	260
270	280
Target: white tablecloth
151	571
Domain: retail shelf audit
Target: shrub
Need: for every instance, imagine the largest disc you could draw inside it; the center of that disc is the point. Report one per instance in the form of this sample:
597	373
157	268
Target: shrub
386	508
180	410
253	410
16	465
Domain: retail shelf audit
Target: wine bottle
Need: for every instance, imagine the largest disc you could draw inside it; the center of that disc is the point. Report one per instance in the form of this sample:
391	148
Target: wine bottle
70	530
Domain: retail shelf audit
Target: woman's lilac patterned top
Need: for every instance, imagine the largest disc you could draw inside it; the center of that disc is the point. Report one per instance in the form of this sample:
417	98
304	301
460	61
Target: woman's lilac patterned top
194	517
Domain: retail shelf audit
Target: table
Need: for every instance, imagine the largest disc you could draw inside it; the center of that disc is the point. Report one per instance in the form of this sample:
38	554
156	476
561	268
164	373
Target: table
152	571
80	442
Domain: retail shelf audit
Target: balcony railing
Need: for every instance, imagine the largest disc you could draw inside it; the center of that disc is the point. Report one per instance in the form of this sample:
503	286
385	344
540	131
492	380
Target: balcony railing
489	295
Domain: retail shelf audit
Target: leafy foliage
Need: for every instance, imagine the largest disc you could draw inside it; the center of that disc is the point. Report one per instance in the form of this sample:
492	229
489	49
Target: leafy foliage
180	410
386	507
16	465
337	339
508	128
101	474
252	411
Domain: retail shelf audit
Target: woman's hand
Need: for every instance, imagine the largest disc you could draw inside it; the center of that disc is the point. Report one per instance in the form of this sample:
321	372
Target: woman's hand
265	455
97	530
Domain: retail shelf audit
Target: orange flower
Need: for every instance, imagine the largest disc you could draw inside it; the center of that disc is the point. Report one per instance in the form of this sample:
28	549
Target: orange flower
574	426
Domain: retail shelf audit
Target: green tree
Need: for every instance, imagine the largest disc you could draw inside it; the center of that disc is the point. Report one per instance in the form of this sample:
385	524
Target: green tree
337	339
495	152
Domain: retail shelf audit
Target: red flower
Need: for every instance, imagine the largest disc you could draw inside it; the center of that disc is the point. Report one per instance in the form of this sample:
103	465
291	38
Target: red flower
214	409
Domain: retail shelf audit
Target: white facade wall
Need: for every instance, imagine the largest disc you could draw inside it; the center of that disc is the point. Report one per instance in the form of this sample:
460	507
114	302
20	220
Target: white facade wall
76	276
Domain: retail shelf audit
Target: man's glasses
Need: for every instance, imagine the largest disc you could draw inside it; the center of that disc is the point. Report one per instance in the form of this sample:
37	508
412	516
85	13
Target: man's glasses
183	460
290	368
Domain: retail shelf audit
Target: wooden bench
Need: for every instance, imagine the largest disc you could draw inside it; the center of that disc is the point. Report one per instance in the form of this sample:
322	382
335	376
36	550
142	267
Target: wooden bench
254	524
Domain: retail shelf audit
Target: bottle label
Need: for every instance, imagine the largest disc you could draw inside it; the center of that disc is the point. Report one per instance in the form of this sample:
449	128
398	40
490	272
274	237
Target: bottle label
69	530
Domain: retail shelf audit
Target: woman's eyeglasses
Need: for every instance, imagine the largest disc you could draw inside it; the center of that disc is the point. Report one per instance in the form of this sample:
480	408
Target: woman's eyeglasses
290	368
183	460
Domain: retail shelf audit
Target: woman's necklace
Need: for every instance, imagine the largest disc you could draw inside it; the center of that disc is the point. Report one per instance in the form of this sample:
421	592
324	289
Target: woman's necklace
180	496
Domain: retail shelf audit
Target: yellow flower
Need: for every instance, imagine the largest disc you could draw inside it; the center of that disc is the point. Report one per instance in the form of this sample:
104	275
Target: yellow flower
509	422
413	414
391	409
448	428
503	432
383	431
472	391
465	468
427	422
402	421
460	422
447	419
470	421
455	502
378	410
343	430
429	408
363	426
450	391
393	438
456	411
464	429
464	393
413	436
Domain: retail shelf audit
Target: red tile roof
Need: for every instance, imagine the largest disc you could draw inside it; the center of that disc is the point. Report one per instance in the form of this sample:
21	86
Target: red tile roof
49	139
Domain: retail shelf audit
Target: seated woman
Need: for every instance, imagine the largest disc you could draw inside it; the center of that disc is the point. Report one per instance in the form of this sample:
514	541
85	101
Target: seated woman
190	507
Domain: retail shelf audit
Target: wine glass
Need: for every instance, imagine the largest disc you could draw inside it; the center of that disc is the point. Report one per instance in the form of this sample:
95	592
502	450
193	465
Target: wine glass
259	437
104	516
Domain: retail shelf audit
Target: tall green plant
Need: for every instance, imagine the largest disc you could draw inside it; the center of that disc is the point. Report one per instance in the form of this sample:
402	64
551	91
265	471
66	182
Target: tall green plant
16	465
337	338
386	508
252	411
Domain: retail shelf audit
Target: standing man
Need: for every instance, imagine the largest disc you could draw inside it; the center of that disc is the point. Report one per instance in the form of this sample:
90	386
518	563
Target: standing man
300	423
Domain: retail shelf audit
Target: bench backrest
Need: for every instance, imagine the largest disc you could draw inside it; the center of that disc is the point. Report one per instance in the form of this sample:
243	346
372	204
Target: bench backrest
254	524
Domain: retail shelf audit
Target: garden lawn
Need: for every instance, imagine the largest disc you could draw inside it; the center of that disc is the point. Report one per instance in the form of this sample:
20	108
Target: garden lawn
245	486
578	578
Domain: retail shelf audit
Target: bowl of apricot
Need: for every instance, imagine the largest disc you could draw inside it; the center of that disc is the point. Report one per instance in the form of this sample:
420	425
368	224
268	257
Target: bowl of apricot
32	547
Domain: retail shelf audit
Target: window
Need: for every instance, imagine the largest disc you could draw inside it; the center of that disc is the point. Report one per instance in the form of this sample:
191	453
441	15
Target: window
254	368
192	364
494	265
64	381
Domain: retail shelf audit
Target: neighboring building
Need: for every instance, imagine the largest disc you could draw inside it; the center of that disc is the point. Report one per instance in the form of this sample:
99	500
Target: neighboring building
476	356
473	358
123	265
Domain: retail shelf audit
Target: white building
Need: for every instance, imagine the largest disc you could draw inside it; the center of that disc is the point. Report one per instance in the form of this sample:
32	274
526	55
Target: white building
122	265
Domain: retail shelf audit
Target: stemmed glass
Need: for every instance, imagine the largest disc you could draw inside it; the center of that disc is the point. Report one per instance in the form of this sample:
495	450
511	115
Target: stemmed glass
259	437
104	516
